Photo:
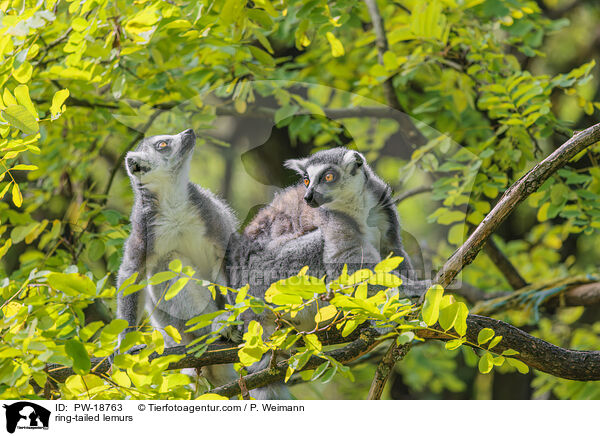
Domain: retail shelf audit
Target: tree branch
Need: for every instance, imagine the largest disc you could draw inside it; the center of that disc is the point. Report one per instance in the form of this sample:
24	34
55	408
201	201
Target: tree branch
411	193
355	349
572	291
539	354
394	354
536	353
508	270
520	190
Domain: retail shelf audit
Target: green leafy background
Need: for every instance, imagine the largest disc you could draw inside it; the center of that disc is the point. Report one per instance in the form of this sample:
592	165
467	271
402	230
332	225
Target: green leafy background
508	80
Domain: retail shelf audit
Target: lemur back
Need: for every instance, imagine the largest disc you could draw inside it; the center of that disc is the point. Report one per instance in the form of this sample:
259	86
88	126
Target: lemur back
172	218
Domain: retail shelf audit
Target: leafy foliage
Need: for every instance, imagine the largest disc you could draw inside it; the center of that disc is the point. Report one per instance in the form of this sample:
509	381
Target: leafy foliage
79	81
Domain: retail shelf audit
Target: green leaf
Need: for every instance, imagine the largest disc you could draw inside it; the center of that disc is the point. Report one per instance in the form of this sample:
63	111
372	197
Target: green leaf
175	266
57	102
17	197
460	325
5	247
319	371
131	339
454	343
174	333
495	342
385	279
510	352
485	335
312	342
176	287
448	316
24	167
405	338
337	49
325	313
72	284
113	329
162	277
22	96
388	265
19	117
431	307
486	363
77	352
262	56
88	331
96	250
518	365
23	73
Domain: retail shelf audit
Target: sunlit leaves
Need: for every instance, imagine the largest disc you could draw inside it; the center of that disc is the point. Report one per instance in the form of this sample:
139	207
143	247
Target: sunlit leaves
486	363
484	335
19	117
176	287
72	284
23	73
254	347
518	365
173	333
337	49
325	313
17	197
23	98
431	306
388	265
58	99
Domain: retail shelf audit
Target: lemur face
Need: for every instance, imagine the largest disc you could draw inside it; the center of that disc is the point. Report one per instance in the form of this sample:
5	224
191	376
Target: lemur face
158	157
332	177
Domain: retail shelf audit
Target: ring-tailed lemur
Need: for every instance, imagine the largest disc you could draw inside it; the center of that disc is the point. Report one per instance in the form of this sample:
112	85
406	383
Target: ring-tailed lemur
173	218
343	215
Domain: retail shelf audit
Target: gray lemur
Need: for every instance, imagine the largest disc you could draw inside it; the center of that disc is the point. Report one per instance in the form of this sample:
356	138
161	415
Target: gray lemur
343	215
173	218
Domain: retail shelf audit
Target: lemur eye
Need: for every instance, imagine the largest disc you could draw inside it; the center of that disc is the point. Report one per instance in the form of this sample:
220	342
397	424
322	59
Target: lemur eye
161	145
329	177
306	181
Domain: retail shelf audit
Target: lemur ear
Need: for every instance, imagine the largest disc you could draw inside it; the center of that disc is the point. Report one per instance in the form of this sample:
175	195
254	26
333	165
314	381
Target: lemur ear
353	160
298	165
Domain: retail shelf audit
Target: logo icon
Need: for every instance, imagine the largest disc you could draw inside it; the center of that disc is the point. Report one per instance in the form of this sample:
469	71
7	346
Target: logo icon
26	415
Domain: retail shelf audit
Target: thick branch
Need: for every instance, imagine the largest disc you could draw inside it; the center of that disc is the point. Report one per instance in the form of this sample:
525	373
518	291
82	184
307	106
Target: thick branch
520	190
536	353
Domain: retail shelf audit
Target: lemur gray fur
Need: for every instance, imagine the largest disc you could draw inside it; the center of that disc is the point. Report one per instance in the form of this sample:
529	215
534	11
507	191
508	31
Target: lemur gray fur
349	219
344	215
173	218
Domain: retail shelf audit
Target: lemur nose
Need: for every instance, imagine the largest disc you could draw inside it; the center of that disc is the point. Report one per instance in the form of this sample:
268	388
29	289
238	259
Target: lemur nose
308	197
188	132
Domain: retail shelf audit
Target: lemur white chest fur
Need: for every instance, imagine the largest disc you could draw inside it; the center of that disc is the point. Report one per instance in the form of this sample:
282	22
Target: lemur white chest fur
179	232
361	205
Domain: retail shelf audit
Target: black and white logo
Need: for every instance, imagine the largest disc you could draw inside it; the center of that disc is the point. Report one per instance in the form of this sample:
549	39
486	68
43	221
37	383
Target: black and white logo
26	415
